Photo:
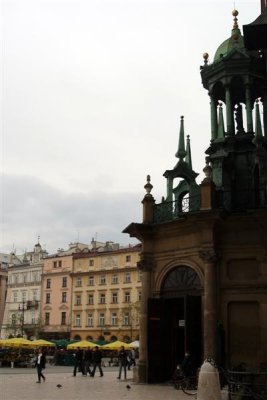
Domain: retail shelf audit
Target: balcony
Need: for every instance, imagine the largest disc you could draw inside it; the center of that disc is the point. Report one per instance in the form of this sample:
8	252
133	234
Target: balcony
172	210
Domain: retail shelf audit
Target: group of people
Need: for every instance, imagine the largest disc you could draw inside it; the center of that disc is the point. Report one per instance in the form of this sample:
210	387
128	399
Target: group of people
88	361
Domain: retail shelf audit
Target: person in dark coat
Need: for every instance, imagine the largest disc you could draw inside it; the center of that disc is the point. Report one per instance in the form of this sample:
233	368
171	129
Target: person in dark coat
78	362
96	361
188	365
123	361
40	365
87	361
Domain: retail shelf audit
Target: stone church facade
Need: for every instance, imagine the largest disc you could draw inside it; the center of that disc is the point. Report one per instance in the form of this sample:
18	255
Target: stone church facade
204	254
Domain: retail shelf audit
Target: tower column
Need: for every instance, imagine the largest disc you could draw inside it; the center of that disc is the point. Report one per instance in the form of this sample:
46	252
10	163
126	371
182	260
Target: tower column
213	118
249	110
264	103
145	265
229	112
169	188
210	303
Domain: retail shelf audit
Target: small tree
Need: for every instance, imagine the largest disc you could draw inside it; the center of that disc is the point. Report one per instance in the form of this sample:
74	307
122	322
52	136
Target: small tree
129	317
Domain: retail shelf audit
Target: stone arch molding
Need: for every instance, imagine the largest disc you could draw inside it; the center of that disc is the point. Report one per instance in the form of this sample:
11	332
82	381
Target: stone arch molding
176	264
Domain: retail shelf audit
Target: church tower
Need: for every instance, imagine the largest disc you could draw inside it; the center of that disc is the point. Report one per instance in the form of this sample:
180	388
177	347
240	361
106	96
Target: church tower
204	254
237	86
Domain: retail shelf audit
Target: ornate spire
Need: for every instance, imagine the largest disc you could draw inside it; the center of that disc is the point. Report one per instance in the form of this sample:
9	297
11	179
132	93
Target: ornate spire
188	158
181	153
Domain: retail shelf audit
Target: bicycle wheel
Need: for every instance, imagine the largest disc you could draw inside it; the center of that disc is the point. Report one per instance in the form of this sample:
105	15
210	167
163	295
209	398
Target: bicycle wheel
189	386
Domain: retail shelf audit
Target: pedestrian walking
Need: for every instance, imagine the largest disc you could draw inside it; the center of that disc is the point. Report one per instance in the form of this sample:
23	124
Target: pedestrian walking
87	362
96	361
131	359
123	362
40	365
78	365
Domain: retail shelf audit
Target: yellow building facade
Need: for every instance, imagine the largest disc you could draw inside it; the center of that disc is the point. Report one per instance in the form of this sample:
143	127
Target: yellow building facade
106	293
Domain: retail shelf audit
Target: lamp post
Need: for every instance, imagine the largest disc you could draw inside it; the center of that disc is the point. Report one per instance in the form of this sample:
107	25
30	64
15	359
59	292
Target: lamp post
22	310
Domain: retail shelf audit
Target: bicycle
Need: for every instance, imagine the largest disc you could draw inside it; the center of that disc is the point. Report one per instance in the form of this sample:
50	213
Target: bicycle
188	384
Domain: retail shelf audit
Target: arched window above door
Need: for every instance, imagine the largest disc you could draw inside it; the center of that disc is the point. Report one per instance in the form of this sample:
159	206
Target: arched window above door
180	280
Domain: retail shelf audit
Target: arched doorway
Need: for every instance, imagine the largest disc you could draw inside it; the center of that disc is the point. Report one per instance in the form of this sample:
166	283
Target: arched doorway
174	323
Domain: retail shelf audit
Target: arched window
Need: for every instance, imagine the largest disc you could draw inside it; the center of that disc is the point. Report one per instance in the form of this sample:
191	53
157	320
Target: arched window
77	337
180	280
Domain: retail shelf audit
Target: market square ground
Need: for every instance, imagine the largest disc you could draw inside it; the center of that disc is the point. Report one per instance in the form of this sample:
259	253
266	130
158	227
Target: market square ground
20	384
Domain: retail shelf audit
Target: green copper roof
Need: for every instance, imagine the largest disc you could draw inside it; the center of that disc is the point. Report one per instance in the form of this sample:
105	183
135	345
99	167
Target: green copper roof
235	41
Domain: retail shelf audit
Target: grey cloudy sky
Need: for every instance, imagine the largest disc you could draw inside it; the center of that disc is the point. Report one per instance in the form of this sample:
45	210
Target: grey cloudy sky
92	92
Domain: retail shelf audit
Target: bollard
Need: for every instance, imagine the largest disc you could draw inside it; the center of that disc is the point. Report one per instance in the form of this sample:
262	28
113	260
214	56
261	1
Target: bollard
208	382
135	374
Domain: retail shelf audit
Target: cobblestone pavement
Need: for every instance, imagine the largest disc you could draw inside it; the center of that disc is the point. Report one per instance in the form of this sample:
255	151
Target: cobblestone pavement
20	384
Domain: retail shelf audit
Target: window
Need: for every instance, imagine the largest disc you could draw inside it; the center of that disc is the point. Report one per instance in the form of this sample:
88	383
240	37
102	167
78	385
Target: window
126	319
24	278
63	318
47	298
102	298
102	280
127	277
78	320
91	263
78	300
114	297
101	319
33	320
91	281
57	264
47	318
64	297
79	281
48	284
128	258
24	296
64	281
90	299
127	297
15	297
114	319
139	295
34	294
139	275
90	321
13	319
114	279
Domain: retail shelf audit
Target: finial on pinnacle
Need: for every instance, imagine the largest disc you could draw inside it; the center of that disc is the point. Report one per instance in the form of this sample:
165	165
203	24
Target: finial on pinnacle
235	14
148	187
206	58
207	170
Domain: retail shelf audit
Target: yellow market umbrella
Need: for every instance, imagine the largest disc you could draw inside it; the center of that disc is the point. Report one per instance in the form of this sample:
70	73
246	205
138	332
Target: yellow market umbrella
83	344
42	343
17	342
116	346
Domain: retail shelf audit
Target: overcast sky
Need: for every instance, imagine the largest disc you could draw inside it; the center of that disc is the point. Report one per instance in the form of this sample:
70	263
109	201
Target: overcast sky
92	93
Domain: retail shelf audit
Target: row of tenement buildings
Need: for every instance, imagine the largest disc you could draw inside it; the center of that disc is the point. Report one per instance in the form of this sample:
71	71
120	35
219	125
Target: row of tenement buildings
86	292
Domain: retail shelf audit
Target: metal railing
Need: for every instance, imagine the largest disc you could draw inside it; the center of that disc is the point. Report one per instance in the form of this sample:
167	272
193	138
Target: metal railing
171	210
244	385
236	201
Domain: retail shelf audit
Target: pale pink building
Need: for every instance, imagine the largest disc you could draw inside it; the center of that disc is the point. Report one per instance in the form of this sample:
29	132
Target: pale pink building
56	293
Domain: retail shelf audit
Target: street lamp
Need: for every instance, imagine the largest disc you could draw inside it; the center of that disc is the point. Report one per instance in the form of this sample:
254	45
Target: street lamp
22	310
